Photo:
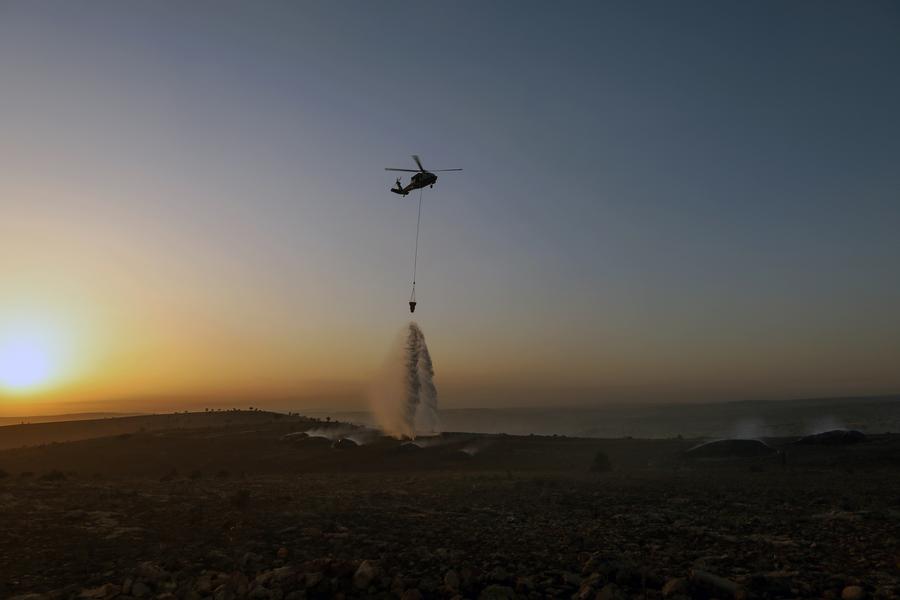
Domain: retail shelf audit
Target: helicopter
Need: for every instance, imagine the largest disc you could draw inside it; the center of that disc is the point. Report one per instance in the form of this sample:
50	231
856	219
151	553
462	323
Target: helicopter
421	179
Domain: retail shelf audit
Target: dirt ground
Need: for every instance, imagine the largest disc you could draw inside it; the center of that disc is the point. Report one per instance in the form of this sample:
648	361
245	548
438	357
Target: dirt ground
227	512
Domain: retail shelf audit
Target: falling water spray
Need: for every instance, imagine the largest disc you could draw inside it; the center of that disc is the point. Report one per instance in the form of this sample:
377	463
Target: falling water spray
404	397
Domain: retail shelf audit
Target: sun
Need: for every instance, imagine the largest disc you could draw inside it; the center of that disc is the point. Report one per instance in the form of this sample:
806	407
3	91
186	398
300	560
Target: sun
27	360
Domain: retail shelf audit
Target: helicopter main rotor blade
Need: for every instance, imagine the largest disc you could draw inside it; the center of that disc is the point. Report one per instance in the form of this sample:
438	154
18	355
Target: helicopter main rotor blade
404	170
442	170
418	162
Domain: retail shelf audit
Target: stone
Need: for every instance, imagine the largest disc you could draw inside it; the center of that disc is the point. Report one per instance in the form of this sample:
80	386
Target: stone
259	593
364	575
611	591
411	594
250	561
107	590
219	560
451	580
311	580
204	584
853	592
151	571
224	592
677	586
496	592
140	590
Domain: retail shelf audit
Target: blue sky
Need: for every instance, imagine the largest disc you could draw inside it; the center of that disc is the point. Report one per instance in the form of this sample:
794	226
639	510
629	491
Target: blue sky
660	200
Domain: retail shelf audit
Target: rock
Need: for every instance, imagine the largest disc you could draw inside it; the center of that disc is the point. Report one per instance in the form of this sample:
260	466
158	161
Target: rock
250	561
411	594
313	579
451	580
611	591
773	584
428	586
204	584
107	590
677	586
524	584
259	593
151	571
282	552
224	592
628	576
28	597
714	584
498	575
364	575
853	592
886	592
219	560
140	590
496	592
280	576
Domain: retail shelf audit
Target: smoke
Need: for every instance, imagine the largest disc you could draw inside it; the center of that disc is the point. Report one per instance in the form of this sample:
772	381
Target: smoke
751	428
824	423
404	397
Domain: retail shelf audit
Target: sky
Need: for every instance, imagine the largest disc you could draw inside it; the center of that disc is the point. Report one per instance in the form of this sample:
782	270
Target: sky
660	202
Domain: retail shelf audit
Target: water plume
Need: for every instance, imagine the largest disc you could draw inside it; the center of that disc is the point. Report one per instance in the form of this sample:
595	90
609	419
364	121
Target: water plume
404	397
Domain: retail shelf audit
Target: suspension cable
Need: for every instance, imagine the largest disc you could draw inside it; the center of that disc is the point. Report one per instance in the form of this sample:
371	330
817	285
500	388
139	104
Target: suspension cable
412	296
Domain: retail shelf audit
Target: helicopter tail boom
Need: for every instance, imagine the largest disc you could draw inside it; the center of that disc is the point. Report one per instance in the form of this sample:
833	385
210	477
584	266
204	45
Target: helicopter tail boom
399	189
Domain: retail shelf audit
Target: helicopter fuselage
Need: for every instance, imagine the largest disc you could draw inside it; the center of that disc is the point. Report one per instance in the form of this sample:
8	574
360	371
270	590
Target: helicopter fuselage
417	181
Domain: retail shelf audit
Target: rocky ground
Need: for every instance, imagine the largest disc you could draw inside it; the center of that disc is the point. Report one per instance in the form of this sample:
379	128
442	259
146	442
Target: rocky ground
734	530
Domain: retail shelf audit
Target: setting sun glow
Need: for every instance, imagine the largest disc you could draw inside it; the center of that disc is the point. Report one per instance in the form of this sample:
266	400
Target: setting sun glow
29	359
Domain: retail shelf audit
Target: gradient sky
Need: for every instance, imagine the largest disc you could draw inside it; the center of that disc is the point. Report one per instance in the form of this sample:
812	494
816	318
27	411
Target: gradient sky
661	200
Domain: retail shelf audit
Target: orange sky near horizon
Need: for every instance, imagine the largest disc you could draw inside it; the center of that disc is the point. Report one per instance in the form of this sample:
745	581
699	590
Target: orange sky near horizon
194	211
